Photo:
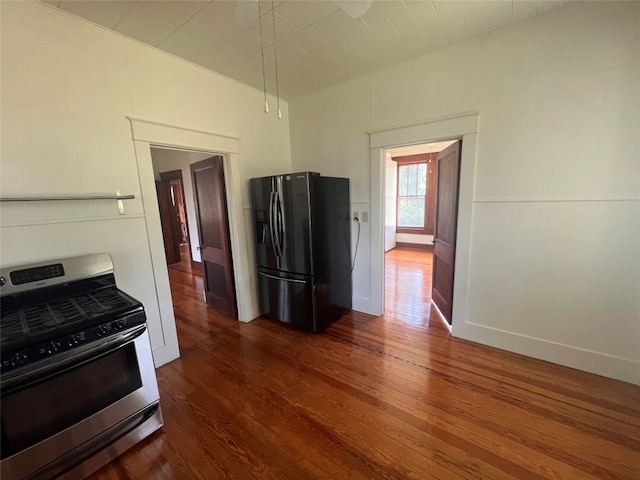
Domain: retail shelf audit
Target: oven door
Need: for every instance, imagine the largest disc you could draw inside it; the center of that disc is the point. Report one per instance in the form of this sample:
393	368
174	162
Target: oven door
56	412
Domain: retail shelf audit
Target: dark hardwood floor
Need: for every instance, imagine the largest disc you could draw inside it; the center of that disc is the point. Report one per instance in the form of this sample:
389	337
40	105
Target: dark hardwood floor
373	398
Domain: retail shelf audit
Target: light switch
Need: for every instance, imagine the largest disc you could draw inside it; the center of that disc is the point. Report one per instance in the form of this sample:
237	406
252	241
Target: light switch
365	217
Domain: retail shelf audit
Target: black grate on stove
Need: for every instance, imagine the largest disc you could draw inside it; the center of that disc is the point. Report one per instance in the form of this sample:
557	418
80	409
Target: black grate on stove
39	319
110	299
12	328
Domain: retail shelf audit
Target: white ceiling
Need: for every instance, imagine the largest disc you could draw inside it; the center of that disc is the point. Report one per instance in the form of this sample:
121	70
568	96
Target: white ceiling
317	43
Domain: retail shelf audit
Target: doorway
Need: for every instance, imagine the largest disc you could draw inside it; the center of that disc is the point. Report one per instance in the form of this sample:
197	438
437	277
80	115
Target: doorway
465	127
416	200
182	178
146	135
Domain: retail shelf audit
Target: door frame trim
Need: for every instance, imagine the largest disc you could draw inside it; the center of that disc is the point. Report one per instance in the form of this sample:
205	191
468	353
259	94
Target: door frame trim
463	126
146	134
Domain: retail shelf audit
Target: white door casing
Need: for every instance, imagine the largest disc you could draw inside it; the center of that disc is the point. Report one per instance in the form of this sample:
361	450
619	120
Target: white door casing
146	134
464	126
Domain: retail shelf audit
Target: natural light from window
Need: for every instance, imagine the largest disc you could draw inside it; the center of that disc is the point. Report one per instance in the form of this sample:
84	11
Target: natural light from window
412	189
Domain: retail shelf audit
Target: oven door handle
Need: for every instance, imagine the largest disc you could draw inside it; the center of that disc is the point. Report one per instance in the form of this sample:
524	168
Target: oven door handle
78	455
53	366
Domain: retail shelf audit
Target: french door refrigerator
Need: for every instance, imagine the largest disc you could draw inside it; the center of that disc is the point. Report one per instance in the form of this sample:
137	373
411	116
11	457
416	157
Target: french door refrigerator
303	248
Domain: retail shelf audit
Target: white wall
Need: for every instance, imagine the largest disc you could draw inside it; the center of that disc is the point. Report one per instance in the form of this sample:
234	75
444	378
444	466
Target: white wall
554	246
391	182
414	238
67	87
165	160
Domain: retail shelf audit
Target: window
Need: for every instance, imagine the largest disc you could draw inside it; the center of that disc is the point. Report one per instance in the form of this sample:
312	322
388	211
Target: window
412	191
416	193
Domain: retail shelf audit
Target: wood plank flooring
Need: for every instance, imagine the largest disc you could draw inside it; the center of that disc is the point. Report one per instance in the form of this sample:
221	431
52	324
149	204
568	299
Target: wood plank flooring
391	397
408	274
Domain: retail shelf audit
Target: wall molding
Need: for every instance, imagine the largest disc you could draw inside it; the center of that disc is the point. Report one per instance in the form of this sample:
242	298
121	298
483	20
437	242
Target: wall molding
591	361
362	304
550	200
163	354
171	136
417	246
415	127
62	220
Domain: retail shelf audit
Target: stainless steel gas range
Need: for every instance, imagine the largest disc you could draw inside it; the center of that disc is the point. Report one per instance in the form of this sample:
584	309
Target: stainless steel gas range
77	379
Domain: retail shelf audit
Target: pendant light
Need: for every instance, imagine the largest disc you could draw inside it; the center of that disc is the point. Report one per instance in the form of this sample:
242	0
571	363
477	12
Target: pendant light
275	55
264	77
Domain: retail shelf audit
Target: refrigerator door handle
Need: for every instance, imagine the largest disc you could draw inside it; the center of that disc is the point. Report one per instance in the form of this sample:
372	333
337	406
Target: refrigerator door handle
272	221
276	224
292	280
280	223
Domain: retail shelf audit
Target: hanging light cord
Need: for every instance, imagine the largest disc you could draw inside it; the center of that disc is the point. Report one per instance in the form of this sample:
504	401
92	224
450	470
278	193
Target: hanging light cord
355	255
264	77
275	53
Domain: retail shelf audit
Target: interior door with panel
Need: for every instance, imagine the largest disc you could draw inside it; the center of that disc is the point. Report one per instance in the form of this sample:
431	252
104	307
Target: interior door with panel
213	228
444	250
180	223
167	221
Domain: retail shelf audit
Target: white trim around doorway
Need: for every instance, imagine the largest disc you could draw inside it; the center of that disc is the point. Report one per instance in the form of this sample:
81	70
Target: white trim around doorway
147	134
464	126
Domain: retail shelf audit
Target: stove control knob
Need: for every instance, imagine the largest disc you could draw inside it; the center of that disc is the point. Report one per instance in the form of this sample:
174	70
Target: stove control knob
2	281
101	330
18	359
73	340
117	325
53	347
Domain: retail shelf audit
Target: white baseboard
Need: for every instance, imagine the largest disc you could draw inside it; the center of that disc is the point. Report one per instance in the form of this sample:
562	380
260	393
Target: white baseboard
249	313
610	366
165	354
618	368
365	305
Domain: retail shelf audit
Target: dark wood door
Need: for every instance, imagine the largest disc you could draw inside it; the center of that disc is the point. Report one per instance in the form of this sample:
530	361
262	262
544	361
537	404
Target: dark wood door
168	221
181	225
213	229
444	251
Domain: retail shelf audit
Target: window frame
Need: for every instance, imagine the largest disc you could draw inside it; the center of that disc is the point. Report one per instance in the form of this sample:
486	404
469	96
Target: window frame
418	159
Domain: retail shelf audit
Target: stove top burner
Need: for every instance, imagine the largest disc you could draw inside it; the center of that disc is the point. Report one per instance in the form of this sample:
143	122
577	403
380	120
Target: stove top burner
48	308
45	319
12	329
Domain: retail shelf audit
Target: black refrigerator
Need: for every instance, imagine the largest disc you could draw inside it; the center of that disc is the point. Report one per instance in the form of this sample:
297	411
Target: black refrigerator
303	248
